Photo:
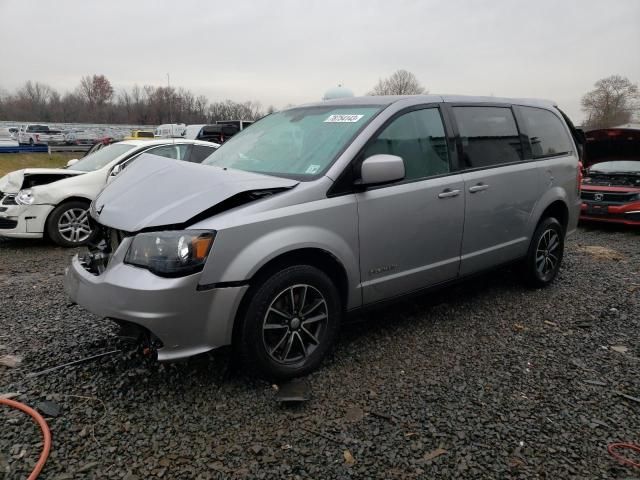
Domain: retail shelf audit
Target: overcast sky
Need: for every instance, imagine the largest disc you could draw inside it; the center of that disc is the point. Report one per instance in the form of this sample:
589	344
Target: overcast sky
285	51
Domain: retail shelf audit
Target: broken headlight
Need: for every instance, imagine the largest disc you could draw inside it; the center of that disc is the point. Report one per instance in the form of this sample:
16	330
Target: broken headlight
24	197
171	253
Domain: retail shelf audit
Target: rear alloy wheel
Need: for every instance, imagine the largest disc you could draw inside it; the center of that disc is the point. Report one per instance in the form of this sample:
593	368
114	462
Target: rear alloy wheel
68	224
545	253
291	322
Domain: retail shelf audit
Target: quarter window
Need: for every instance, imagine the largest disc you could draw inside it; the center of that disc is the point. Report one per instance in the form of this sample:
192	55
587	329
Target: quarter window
489	136
547	134
418	137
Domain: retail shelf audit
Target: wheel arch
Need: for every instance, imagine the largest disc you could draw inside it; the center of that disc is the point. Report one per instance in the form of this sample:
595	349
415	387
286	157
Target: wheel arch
319	258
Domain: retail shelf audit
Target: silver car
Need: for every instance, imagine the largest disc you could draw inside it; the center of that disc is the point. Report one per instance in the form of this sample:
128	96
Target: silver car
317	211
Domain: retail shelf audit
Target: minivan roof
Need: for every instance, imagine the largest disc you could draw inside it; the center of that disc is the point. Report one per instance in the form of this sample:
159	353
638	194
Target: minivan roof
385	100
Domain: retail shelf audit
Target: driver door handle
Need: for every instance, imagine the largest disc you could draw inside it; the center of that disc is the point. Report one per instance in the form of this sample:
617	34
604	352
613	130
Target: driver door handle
478	188
447	192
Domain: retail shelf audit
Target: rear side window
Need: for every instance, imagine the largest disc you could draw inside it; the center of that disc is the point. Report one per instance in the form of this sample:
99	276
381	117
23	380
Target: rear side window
489	136
547	134
177	152
200	152
418	137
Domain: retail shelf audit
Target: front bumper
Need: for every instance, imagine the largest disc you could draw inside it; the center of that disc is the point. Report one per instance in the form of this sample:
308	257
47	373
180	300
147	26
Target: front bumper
627	214
185	320
23	221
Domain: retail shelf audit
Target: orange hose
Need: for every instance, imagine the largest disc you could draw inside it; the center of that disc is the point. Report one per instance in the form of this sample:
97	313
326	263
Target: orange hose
46	434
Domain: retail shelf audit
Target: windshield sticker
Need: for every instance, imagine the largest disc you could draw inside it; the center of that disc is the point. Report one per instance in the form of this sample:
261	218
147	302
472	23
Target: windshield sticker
313	169
343	118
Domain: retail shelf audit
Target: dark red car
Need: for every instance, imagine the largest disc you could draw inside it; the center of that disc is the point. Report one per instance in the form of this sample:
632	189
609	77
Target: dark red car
611	185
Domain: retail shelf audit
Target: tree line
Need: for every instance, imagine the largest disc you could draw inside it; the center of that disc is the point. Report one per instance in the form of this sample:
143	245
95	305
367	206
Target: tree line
95	100
615	100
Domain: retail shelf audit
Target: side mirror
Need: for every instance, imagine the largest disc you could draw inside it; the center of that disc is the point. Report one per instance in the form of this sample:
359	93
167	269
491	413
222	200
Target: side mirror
117	169
73	161
381	168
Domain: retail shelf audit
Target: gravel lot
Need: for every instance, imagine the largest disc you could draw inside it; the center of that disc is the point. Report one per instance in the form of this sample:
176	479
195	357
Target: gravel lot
508	382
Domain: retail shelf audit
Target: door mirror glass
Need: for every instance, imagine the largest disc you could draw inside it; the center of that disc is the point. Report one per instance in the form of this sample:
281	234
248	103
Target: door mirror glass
117	169
382	168
71	162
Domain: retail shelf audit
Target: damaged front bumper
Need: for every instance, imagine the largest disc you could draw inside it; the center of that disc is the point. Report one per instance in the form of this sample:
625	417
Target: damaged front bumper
23	221
185	320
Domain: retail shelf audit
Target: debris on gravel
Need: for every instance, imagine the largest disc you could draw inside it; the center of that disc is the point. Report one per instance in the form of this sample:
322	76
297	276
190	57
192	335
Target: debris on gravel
487	379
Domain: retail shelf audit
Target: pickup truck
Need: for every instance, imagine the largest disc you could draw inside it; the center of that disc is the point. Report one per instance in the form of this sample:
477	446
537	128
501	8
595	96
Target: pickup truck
40	135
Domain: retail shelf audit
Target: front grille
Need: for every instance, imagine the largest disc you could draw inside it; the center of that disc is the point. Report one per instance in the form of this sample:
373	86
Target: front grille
101	248
634	217
609	197
7	224
7	199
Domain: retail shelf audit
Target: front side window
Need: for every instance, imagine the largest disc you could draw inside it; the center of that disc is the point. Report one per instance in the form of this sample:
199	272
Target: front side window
547	134
489	136
418	137
298	143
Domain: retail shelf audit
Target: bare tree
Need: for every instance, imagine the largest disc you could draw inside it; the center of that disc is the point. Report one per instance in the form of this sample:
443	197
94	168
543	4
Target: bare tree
400	82
96	89
612	102
230	110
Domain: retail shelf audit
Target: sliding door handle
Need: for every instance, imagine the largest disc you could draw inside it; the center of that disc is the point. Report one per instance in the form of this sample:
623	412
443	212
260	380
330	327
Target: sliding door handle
447	192
478	188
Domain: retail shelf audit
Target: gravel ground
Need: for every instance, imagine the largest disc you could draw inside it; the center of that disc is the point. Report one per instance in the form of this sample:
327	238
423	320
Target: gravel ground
507	382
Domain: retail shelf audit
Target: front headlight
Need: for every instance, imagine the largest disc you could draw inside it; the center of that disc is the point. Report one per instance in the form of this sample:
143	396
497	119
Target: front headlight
24	197
171	253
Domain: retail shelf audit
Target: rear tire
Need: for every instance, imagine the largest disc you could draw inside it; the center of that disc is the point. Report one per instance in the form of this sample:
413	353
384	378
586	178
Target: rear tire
68	224
545	254
290	323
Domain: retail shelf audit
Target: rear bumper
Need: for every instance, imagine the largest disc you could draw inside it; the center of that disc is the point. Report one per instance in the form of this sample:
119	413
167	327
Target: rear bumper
185	320
627	214
24	221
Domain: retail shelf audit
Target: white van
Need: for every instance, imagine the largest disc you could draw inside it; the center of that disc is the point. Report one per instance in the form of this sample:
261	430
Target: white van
170	130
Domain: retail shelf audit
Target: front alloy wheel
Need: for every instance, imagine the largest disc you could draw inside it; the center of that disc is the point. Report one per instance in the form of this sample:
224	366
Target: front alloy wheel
68	225
294	323
290	323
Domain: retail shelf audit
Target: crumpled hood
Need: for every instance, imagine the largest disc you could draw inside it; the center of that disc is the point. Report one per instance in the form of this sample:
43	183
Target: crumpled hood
156	191
12	182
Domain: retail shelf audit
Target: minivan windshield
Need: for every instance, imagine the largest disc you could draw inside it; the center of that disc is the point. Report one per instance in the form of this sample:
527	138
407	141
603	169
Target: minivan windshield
298	143
102	157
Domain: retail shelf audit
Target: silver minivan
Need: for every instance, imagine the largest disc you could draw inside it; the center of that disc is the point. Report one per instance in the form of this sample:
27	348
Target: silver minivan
319	210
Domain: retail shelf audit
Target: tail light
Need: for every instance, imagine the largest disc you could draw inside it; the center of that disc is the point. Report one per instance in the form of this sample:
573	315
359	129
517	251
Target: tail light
579	177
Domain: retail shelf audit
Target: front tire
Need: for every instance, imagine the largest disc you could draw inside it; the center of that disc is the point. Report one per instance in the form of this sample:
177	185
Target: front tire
68	224
291	322
545	253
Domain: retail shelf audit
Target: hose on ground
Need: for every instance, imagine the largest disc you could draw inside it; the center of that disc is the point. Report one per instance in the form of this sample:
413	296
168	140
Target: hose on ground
46	433
624	446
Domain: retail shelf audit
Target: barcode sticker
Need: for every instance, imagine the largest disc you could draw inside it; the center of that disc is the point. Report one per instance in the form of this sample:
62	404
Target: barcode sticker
343	118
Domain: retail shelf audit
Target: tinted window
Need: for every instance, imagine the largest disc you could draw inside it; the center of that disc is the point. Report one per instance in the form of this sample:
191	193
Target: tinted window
177	152
200	152
546	132
489	136
418	137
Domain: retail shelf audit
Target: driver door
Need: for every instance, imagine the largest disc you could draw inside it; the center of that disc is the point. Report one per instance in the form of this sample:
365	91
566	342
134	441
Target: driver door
411	231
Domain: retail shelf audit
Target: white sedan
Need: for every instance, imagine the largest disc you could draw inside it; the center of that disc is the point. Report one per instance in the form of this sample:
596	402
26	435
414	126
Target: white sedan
54	202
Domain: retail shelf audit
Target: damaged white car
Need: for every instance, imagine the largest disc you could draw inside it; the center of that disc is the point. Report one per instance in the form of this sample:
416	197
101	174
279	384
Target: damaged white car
53	202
